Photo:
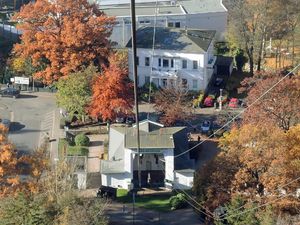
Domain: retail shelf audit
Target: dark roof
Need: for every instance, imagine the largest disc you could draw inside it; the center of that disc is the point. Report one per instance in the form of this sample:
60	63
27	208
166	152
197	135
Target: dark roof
224	60
190	40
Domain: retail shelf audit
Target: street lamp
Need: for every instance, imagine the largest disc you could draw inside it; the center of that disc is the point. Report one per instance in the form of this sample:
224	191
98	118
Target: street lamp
220	104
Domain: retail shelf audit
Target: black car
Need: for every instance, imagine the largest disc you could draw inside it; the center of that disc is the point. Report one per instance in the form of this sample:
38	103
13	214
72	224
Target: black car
130	120
10	92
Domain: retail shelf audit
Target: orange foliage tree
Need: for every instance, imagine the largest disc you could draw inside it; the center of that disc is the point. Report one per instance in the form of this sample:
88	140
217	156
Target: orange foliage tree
62	36
173	104
259	162
268	159
12	167
280	106
112	90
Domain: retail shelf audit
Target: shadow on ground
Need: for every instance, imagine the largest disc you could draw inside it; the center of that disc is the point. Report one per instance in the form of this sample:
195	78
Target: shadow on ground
27	96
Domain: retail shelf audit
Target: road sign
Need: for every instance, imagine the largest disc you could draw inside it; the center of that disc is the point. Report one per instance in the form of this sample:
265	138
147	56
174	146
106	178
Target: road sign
21	80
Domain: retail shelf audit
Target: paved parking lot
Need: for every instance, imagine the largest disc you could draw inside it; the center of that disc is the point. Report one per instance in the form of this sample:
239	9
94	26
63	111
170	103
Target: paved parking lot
31	118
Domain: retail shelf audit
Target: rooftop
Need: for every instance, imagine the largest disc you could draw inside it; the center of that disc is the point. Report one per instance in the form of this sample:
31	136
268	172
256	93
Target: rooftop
147	7
191	40
152	135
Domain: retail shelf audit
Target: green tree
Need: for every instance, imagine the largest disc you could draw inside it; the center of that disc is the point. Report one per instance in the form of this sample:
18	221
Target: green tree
243	216
74	92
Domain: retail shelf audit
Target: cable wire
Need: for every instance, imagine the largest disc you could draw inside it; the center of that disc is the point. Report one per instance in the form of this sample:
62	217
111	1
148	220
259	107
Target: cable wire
279	187
239	114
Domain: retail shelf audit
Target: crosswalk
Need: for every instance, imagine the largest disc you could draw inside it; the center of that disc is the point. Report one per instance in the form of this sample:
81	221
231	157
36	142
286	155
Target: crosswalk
46	126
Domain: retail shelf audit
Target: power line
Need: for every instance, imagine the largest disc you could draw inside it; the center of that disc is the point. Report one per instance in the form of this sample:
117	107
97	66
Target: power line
279	187
210	215
257	207
239	114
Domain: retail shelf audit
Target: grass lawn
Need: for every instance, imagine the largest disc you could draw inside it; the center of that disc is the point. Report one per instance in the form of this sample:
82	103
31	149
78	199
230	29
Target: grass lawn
153	202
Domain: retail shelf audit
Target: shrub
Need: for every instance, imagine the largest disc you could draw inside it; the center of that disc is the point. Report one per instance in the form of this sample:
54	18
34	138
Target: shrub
77	151
177	201
197	102
82	140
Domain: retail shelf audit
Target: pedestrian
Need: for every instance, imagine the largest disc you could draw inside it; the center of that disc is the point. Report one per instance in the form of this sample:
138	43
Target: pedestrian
20	88
198	138
7	85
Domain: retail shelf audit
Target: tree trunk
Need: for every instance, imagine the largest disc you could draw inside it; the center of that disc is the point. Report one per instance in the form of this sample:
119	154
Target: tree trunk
251	60
260	56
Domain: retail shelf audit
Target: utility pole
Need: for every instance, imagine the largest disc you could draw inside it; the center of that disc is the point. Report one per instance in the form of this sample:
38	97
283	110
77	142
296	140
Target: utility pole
134	57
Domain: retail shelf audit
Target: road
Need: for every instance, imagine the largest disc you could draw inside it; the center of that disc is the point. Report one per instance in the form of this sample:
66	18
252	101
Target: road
31	118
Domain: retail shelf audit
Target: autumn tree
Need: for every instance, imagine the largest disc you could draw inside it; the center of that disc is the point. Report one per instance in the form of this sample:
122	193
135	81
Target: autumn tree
63	35
112	90
259	162
56	202
280	106
268	159
74	92
251	23
12	167
173	104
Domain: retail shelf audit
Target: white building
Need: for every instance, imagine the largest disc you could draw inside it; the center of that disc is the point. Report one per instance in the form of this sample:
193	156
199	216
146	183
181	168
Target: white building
184	56
197	14
158	146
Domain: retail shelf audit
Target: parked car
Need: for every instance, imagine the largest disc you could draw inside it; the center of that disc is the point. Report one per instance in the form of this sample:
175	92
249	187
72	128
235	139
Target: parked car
5	122
120	119
130	120
10	92
206	127
219	82
208	101
242	103
234	103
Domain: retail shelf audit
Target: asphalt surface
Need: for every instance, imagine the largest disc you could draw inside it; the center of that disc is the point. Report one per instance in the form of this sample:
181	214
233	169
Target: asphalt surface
31	118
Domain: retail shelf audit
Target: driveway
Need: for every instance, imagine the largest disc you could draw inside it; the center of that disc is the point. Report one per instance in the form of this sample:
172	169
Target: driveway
31	118
118	216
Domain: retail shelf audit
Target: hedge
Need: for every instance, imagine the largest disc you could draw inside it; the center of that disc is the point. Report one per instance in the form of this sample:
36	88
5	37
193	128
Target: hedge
82	140
77	151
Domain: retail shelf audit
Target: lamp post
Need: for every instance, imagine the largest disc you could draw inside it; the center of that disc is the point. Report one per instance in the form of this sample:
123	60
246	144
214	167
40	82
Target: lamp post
220	103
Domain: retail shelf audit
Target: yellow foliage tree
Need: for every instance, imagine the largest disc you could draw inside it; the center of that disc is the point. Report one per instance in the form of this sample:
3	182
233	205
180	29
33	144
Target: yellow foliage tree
12	168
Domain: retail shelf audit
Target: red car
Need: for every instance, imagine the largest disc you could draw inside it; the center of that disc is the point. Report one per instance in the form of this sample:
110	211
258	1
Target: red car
208	102
234	103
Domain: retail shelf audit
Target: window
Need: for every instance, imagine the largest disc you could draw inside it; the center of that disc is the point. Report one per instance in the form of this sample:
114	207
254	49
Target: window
159	62
195	84
177	24
164	82
147	80
170	24
172	63
184	82
165	63
195	65
137	60
184	64
147	61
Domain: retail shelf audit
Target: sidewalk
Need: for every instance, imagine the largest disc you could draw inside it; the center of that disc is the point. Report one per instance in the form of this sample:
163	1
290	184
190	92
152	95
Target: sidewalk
96	148
55	135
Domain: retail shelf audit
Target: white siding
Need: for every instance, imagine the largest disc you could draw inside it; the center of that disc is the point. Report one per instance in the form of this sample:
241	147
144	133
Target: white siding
200	74
118	180
169	164
183	180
